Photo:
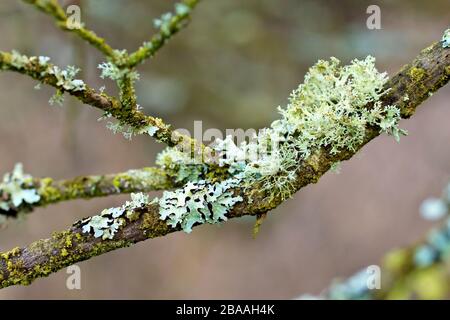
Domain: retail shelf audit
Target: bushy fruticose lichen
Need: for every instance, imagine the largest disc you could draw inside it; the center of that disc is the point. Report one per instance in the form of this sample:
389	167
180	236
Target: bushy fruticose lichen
17	190
330	109
327	110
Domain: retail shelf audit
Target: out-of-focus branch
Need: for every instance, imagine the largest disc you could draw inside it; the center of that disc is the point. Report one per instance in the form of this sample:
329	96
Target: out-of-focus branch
417	80
420	271
52	8
126	108
167	30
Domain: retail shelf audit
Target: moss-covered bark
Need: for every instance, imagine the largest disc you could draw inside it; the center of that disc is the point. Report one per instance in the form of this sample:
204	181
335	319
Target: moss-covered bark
87	187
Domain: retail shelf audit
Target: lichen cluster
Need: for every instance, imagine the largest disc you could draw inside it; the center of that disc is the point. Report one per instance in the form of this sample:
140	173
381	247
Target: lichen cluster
446	39
109	221
328	110
164	23
17	190
198	203
128	131
65	78
181	166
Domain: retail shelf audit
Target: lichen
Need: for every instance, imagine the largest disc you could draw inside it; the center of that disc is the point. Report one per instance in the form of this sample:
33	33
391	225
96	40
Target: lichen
329	110
198	203
446	39
109	221
181	165
17	190
111	71
128	131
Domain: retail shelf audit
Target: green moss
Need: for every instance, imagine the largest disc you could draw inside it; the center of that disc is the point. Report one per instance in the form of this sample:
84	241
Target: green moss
152	226
122	181
429	283
64	252
69	246
397	261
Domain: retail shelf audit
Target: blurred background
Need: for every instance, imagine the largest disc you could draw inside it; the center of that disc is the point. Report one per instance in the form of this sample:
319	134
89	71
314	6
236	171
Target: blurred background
231	68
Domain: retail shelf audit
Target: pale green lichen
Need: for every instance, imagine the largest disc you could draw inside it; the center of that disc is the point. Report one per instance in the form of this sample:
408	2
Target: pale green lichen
128	131
109	221
166	21
57	98
329	110
18	60
111	71
198	203
65	79
163	23
17	189
446	39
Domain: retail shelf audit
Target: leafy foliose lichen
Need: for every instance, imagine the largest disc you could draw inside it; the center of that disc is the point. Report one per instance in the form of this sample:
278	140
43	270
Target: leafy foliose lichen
109	221
125	129
446	39
66	78
112	71
198	203
17	190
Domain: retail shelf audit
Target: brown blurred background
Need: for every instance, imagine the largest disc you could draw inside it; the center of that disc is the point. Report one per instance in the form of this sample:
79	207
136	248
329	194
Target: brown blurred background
231	67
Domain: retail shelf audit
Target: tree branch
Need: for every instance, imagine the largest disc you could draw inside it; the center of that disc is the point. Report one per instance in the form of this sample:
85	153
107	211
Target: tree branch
167	31
88	187
402	274
417	80
31	66
52	8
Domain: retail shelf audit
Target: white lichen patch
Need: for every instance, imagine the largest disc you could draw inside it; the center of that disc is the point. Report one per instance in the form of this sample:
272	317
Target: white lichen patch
111	71
108	222
18	60
66	78
446	39
327	110
163	23
198	203
17	189
128	131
